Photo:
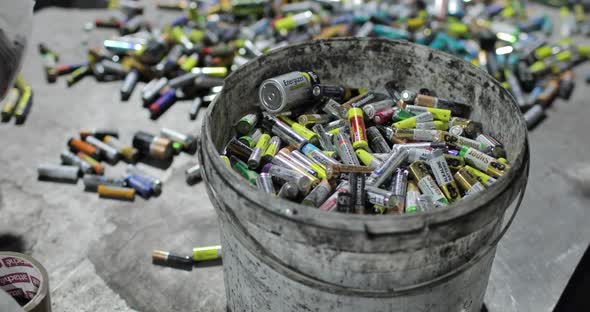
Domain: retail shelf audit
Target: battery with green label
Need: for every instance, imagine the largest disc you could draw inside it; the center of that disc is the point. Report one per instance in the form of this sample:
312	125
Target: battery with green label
207	253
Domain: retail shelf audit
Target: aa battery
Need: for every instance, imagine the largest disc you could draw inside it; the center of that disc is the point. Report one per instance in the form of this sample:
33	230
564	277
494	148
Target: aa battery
408	96
141	185
242	168
285	132
377	141
357	129
337	93
287	91
188	141
399	187
534	115
381	197
331	202
419	135
483	162
425	203
442	174
471	128
324	138
335	109
91	182
95	164
345	150
72	159
154	146
344	203
165	101
300	179
289	190
274	145
371	109
238	149
426	183
264	183
357	190
107	152
150	93
493	146
381	174
318	195
385	115
318	167
300	129
454	162
412	195
166	258
81	146
10	104
78	74
193	174
363	99
129	153
123	193
58	173
256	156
155	182
468	182
437	113
246	124
368	159
207	253
129	84
98	133
515	88
310	119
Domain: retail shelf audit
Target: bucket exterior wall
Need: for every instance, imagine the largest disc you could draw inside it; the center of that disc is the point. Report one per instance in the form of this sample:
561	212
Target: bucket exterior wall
280	256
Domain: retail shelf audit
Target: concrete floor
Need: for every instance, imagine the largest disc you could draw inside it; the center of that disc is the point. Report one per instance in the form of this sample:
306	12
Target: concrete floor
97	251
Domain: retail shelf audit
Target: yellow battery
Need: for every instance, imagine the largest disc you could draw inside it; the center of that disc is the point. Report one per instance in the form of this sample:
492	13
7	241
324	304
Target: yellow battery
405	124
300	129
213	71
440	113
358	133
457	29
207	253
543	52
481	177
334	131
116	192
10	103
190	62
286	23
225	159
330	153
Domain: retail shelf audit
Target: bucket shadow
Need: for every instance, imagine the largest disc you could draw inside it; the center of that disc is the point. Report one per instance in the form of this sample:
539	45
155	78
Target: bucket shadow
11	242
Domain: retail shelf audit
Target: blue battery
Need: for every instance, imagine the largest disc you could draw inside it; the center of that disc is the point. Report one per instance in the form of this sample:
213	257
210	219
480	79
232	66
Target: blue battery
141	185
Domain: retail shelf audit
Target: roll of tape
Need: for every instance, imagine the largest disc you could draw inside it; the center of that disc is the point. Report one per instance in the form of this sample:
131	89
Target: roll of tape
26	280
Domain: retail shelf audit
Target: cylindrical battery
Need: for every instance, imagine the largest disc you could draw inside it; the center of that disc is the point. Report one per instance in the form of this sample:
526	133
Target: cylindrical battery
154	146
188	141
534	115
289	190
264	183
238	149
256	156
332	201
408	96
371	109
357	129
287	91
274	145
335	109
207	253
108	152
142	186
195	107
317	166
318	195
483	162
384	115
124	193
129	153
285	132
357	190
129	84
98	133
468	182
166	99
315	154
302	181
344	202
381	174
426	183
81	146
58	173
154	90
412	195
10	103
368	159
193	174
309	119
425	203
246	124
443	175
377	141
155	182
399	187
72	159
91	182
324	138
96	166
381	197
242	168
345	150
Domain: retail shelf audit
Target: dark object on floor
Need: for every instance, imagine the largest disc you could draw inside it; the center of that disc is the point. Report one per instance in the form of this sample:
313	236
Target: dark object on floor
11	242
575	295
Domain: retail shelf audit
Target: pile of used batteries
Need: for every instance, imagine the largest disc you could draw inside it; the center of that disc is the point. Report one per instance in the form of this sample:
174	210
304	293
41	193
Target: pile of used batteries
187	58
401	152
84	156
18	101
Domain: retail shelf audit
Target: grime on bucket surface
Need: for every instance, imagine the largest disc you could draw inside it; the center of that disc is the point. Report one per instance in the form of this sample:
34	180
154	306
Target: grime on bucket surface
350	150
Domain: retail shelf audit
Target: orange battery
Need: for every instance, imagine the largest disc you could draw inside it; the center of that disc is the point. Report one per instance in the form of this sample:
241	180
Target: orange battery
81	146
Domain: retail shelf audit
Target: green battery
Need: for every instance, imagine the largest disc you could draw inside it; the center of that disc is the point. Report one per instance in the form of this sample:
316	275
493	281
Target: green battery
207	253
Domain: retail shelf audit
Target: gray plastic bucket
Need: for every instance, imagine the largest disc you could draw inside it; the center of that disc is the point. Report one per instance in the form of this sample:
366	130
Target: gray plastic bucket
281	256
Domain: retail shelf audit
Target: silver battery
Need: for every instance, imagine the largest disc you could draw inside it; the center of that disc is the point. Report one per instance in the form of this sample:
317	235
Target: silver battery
155	182
154	90
381	197
534	115
286	133
183	80
345	150
399	187
377	141
381	174
303	182
264	183
334	108
332	201
110	153
289	190
72	159
324	138
58	172
91	182
193	174
409	96
195	107
318	195
371	109
284	92
255	158
188	141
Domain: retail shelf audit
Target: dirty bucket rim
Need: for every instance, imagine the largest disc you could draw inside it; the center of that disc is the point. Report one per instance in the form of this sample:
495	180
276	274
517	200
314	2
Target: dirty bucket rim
365	223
